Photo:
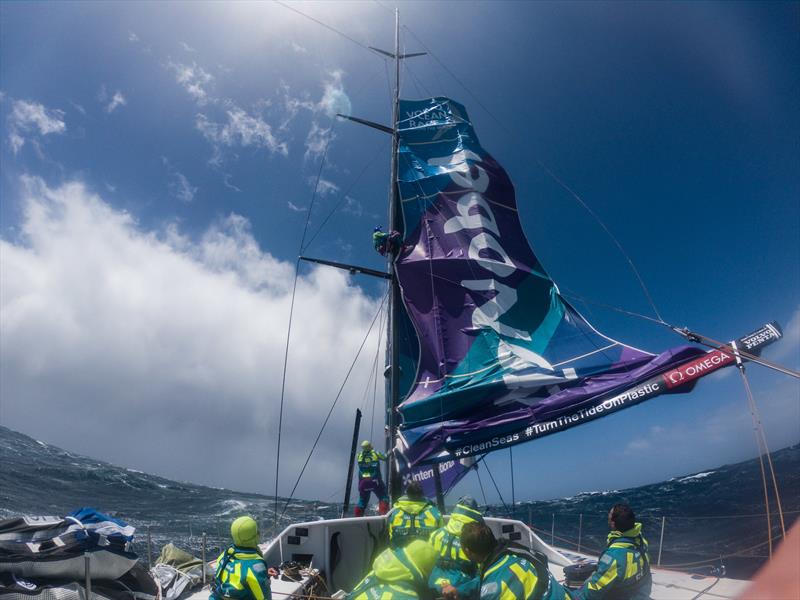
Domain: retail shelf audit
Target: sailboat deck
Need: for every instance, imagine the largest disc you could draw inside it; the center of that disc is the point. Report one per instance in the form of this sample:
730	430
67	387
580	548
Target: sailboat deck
342	550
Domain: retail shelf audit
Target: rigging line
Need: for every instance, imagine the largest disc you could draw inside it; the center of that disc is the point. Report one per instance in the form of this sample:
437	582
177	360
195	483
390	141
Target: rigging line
552	175
709	342
330	412
381	327
343	196
291	317
495	486
760	432
480	483
513	497
326	26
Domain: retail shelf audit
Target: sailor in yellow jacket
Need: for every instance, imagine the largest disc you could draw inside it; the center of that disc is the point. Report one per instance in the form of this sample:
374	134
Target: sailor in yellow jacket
413	517
454	572
509	570
398	574
241	572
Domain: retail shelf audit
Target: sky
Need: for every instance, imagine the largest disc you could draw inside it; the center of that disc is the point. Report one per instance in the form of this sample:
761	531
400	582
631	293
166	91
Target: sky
159	163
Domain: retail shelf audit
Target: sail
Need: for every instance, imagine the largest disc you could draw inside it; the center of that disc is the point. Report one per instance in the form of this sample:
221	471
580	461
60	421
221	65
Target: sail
501	353
450	473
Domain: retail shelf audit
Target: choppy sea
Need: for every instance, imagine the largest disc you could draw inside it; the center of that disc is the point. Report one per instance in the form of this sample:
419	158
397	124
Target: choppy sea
712	518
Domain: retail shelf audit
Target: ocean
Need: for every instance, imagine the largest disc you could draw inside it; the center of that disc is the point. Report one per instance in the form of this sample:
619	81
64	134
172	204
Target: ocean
711	519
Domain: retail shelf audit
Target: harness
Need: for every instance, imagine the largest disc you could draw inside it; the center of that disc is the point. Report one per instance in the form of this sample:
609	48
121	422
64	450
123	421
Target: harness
637	544
538	562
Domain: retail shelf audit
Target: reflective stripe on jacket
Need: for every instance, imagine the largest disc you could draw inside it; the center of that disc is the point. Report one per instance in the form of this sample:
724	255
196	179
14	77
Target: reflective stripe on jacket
241	575
452	566
369	464
515	574
411	520
623	570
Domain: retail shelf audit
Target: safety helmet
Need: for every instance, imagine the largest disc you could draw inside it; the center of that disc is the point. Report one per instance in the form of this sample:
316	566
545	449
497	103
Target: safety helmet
378	228
366	444
244	532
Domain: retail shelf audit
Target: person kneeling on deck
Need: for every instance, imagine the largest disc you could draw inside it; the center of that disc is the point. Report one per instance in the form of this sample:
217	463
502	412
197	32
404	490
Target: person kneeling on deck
623	570
413	517
241	571
398	574
455	575
369	479
509	571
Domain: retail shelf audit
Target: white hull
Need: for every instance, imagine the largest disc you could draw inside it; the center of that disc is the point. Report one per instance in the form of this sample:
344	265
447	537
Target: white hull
341	550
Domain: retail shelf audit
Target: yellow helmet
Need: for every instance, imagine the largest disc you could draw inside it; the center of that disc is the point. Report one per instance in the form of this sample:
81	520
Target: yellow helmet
244	532
366	444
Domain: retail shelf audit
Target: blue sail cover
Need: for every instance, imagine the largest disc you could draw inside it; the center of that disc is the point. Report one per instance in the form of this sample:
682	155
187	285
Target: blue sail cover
503	358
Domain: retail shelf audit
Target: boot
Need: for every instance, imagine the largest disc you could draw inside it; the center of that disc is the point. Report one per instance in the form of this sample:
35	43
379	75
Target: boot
359	512
383	507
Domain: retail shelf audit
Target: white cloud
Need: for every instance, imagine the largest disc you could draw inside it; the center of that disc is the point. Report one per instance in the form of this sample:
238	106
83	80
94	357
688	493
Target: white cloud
324	187
132	37
353	206
114	102
31	119
187	47
298	48
179	186
334	98
194	79
294	207
170	348
317	140
240	129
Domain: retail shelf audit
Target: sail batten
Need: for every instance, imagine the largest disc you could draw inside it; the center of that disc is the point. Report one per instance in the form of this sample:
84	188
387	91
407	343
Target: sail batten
501	354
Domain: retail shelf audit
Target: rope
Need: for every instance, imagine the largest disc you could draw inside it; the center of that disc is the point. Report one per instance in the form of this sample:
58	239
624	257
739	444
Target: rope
333	405
480	483
495	485
513	496
326	26
291	316
761	441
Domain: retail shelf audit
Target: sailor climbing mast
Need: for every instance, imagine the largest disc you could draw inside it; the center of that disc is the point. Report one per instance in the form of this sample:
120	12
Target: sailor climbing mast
393	350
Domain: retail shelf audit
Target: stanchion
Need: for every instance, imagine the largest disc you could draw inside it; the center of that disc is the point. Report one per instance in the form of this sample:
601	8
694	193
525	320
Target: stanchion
661	541
580	531
149	549
87	567
203	557
553	531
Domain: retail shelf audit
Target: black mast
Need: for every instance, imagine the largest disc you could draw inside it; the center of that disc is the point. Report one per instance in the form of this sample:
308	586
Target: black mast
393	349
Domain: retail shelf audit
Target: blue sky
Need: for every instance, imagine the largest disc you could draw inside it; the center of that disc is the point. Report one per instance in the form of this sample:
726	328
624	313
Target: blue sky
158	162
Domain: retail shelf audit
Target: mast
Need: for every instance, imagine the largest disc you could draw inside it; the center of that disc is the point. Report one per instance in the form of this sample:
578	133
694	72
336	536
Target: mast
393	349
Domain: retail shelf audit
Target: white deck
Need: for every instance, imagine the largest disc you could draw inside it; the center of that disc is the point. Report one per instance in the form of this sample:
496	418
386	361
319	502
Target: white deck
342	550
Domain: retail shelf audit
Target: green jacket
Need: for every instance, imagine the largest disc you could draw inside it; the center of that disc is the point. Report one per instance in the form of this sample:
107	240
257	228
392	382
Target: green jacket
394	576
369	464
241	575
623	570
412	520
452	566
513	573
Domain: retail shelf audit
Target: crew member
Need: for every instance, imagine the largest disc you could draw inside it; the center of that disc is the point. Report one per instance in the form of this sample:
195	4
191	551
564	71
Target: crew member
413	517
455	575
369	479
509	571
623	570
241	572
398	574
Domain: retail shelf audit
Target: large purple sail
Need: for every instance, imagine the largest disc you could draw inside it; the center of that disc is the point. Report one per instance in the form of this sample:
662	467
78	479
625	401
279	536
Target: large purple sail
501	353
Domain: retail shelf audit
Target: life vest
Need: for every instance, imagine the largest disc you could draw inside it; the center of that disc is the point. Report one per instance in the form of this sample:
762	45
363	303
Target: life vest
369	464
412	520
